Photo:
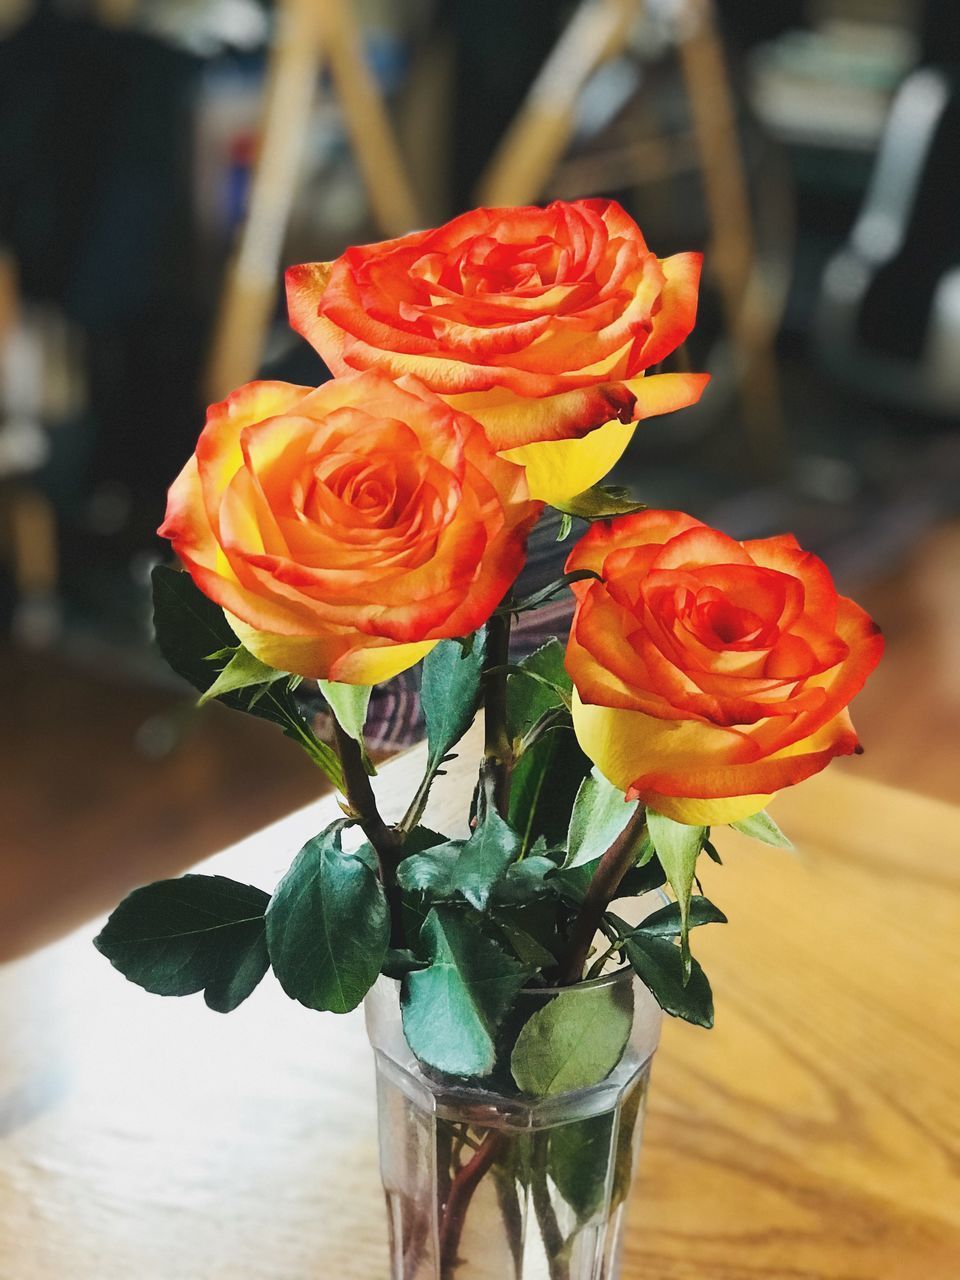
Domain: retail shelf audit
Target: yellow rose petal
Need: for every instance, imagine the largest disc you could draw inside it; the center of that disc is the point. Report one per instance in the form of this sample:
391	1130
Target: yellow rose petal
708	813
322	657
373	666
558	470
623	745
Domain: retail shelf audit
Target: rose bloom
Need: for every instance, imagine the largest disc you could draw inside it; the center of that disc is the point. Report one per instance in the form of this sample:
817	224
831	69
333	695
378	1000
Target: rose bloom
345	530
710	673
540	323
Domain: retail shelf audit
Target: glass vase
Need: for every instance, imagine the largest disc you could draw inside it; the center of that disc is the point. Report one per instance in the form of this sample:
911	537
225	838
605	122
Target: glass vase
486	1183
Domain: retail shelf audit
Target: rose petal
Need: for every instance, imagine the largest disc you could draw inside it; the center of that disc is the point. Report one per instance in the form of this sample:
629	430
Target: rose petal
558	470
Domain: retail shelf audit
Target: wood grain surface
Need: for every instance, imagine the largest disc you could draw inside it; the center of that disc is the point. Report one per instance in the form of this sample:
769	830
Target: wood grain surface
814	1133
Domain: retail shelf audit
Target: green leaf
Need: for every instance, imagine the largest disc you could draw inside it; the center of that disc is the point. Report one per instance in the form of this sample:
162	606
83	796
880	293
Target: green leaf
645	875
549	661
189	628
451	1010
433	874
630	1109
566	527
546	593
413	908
545	782
600	813
760	826
641	879
368	854
399	961
467	642
328	926
223	655
413	912
711	853
580	1160
422	838
678	847
241	672
573	1041
463	868
602	502
645	849
528	950
537	685
667	923
348	703
196	933
450	693
524	881
556	698
572	883
549	722
660	966
538	919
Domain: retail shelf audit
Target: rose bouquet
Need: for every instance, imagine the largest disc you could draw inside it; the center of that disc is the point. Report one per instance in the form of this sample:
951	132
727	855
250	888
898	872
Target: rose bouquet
515	970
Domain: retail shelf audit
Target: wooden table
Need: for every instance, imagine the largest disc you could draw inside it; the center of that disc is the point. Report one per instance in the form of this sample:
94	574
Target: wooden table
814	1133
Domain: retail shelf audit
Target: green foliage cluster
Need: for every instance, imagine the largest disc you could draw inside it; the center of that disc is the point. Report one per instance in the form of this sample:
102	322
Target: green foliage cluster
464	925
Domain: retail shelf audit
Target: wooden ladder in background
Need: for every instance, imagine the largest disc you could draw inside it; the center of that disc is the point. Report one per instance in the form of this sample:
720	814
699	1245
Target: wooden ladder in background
312	33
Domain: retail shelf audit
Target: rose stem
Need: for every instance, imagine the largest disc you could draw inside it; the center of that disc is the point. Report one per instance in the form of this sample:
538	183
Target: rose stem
550	1232
386	841
497	748
511	1211
601	891
462	1188
495	780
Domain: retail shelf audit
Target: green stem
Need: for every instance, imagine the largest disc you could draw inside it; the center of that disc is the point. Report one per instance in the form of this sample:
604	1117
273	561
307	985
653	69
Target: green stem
511	1210
596	968
497	747
419	802
614	865
386	841
498	753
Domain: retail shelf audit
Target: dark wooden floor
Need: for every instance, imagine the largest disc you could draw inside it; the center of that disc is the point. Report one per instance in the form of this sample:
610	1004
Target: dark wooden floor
87	813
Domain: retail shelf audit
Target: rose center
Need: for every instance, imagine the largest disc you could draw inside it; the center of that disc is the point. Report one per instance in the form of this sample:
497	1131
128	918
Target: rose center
490	268
375	493
712	618
728	622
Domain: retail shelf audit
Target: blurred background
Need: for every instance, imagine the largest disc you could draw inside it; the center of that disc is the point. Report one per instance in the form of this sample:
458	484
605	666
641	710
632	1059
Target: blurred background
162	160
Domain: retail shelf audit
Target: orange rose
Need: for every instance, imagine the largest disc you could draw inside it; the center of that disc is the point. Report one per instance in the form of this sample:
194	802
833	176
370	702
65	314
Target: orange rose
345	530
710	673
540	323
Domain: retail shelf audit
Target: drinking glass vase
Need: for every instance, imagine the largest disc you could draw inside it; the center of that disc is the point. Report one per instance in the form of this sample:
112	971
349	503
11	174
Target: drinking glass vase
484	1182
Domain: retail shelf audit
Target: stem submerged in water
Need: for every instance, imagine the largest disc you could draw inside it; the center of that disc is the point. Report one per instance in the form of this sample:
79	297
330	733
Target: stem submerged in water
554	1245
491	1157
462	1187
